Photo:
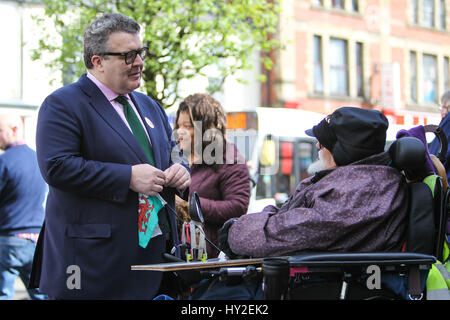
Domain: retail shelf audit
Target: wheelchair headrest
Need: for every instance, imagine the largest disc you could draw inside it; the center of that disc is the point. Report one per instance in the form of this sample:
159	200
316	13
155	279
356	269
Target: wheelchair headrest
408	154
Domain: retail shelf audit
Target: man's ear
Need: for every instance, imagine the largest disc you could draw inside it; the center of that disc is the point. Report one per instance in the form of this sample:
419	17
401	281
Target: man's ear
16	133
97	62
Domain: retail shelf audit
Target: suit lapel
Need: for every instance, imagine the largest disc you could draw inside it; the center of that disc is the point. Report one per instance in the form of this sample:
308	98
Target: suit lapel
104	108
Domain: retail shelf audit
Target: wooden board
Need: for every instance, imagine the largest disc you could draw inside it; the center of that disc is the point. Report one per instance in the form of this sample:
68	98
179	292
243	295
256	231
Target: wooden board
209	264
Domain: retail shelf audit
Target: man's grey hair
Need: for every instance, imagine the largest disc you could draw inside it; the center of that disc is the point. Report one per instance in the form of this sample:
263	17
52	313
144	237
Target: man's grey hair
97	33
445	97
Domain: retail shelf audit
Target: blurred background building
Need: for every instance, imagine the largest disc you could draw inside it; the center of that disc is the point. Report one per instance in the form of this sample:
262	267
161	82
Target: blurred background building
24	83
390	55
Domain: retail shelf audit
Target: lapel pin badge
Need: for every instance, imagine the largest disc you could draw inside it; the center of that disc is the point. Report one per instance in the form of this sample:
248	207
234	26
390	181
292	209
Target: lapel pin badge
149	122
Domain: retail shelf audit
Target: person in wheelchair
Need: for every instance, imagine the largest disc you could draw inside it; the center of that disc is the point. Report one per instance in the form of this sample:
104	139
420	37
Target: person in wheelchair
355	201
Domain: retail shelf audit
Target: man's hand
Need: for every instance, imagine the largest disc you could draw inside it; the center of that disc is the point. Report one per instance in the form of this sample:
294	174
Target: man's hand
147	179
177	176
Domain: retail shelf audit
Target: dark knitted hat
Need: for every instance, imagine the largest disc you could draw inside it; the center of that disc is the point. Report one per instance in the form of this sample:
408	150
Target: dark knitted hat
351	134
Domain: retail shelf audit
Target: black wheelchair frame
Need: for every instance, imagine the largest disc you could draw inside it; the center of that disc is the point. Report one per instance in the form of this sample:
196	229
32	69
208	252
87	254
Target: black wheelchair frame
359	275
368	275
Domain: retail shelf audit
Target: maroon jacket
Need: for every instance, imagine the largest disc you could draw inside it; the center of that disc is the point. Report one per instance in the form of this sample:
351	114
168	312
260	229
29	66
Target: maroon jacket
355	208
224	191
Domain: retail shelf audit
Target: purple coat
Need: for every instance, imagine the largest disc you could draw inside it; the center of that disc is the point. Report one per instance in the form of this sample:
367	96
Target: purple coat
355	208
224	192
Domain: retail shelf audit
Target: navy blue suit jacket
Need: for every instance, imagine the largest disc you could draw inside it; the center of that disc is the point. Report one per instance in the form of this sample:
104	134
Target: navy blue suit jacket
85	153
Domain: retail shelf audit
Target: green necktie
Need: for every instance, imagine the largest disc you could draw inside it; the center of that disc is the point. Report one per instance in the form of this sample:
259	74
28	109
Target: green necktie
149	206
137	128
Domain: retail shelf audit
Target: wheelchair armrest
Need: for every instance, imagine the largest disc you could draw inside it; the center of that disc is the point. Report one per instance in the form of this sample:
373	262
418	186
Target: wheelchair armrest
343	267
356	259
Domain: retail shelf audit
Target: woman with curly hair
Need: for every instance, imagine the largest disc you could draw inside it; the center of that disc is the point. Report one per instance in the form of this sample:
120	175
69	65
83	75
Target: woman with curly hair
219	174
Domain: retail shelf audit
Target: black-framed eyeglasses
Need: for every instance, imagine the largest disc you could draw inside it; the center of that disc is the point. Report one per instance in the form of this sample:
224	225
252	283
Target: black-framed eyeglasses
129	56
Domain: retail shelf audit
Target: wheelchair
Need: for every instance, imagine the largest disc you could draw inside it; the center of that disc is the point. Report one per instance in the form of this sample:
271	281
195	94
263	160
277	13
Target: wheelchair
356	275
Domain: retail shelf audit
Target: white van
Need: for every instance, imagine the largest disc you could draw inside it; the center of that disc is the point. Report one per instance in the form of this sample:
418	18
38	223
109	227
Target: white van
276	148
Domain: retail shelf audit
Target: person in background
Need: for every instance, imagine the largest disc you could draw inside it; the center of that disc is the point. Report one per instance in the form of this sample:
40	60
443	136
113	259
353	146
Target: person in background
106	152
218	172
354	202
445	126
433	148
22	197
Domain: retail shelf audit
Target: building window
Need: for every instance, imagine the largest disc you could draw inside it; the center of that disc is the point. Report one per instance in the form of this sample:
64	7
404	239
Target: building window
446	75
337	4
338	66
359	70
318	68
429	13
430	77
429	74
413	75
442	15
415	11
346	5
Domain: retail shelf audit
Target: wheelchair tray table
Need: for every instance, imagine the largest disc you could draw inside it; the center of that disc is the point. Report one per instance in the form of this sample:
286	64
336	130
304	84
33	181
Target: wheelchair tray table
212	263
309	259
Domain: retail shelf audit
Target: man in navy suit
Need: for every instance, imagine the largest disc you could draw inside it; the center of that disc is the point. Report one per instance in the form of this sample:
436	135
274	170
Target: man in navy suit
96	168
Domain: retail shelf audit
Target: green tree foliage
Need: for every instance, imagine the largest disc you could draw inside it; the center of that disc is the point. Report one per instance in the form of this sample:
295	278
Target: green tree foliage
184	36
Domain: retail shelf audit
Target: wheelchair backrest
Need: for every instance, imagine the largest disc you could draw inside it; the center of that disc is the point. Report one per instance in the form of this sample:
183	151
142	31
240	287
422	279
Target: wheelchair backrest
425	197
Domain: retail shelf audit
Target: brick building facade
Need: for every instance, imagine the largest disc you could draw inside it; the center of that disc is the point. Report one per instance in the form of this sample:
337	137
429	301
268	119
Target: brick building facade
390	55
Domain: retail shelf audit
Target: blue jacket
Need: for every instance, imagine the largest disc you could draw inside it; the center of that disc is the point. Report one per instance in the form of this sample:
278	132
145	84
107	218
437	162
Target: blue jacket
22	191
85	153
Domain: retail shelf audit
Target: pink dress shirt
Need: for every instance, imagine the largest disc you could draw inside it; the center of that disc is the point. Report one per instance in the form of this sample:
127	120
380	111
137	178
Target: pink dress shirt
111	95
